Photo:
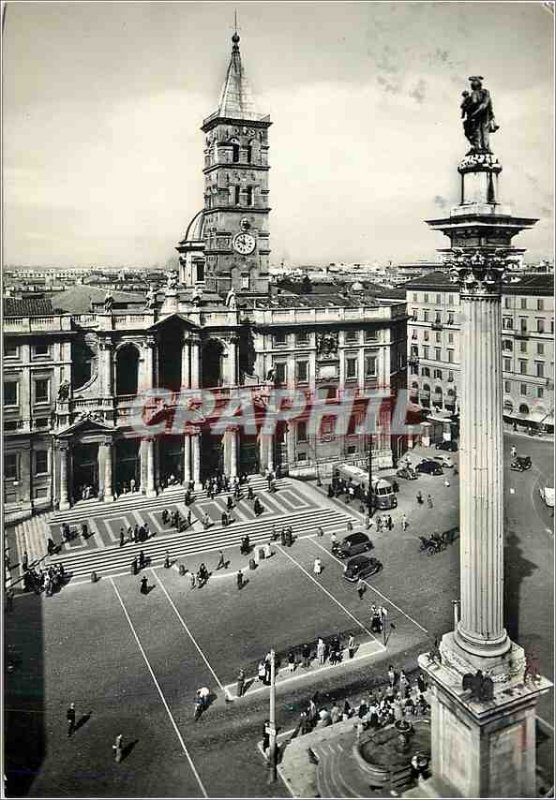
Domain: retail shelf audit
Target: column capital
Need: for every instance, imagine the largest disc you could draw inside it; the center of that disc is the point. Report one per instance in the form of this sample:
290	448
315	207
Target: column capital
105	343
479	272
107	441
62	445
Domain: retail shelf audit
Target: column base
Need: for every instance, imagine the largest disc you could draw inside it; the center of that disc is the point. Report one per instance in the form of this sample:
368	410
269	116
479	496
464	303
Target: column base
481	648
151	493
480	748
108	498
64	506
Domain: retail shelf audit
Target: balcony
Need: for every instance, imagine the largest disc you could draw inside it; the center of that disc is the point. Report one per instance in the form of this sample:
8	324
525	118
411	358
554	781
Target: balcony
437	325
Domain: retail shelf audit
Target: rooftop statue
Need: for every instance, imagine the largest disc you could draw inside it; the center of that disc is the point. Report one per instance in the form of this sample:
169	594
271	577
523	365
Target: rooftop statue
478	116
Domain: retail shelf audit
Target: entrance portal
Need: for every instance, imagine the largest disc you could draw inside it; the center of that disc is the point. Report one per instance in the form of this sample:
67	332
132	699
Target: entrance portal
212	456
126	465
248	454
171	460
84	471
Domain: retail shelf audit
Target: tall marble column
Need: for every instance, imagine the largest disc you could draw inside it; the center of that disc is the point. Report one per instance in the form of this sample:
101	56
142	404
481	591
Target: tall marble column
106	367
108	481
231	377
63	447
195	375
146	379
149	450
186	363
187	460
230	452
196	458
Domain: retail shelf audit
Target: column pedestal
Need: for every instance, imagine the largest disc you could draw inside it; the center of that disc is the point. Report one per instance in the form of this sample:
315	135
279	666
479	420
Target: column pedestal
480	749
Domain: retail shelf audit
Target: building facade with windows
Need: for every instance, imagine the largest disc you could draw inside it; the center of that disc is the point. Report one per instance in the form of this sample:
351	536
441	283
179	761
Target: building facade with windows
76	379
527	340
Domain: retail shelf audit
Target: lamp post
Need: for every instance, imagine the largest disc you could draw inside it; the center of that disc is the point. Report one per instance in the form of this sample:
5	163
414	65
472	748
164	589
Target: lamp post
272	720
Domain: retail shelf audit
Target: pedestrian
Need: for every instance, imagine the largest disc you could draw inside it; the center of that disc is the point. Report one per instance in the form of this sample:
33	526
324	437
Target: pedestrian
383	614
333	539
261	671
221	560
134	566
321	651
10	599
403	682
291	660
389	522
144	587
136	533
84	530
267	671
189	518
391	676
320	531
25	561
266	736
167	560
351	646
395	486
446	483
429	501
420	498
421	683
378	520
206	521
404	522
118	748
317	566
239	580
513	451
193	580
306	655
349	526
240	683
70	717
361	587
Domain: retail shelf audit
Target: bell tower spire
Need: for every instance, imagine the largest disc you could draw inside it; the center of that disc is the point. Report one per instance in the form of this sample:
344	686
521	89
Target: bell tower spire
235	227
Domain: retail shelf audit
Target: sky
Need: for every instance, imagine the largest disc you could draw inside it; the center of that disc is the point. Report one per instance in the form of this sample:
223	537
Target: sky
103	102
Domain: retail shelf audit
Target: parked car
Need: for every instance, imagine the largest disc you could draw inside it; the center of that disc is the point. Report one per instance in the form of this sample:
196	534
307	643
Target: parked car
444	461
521	463
353	544
408	473
451	445
361	567
429	467
547	495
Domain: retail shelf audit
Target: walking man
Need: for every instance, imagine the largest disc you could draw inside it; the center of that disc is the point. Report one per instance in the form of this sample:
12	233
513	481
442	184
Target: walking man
240	683
70	717
321	651
317	567
404	522
513	451
429	501
144	588
361	587
25	561
351	646
239	580
221	560
122	537
118	748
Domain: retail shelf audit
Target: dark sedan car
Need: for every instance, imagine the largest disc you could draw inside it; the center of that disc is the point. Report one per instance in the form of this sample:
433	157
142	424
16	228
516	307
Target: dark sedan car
353	544
361	567
451	445
430	467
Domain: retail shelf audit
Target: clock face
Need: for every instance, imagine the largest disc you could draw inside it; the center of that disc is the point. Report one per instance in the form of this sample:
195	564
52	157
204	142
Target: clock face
244	243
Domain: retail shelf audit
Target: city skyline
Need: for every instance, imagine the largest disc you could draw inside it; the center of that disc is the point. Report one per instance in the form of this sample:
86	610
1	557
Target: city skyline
127	124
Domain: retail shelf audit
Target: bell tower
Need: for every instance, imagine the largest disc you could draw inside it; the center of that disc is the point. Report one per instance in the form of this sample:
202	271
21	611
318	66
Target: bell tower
235	220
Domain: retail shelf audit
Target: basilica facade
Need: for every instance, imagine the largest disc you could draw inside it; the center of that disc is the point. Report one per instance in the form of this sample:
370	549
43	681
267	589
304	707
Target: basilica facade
142	393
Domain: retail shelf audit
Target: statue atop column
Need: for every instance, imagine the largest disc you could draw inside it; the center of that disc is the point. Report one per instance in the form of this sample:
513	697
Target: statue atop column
150	299
108	303
478	116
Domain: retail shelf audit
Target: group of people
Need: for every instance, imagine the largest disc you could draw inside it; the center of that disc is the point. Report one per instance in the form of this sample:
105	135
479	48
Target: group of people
395	702
199	578
139	533
140	562
175	519
47	580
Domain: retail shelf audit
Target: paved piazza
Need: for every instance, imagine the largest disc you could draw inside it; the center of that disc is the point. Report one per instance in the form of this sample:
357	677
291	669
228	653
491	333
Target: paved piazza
132	662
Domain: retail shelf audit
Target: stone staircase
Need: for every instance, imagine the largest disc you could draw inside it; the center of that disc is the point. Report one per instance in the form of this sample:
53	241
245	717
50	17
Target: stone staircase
115	559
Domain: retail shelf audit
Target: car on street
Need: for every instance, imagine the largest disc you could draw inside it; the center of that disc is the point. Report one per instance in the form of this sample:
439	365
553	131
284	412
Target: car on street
547	495
407	472
361	567
521	463
430	467
444	461
353	544
450	445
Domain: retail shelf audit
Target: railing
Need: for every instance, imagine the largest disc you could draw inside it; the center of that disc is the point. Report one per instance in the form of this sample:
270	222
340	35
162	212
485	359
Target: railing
275	316
437	326
37	324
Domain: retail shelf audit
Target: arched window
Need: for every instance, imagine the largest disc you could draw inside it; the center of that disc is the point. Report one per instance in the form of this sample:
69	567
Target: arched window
127	370
524	409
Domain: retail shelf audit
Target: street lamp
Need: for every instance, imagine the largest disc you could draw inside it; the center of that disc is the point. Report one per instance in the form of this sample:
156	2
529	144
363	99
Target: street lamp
272	721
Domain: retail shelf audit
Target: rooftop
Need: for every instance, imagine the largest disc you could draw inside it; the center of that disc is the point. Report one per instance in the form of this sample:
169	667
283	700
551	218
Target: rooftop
27	307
